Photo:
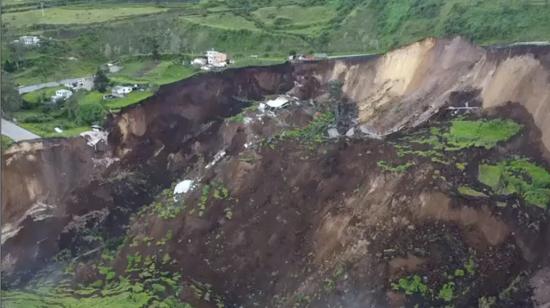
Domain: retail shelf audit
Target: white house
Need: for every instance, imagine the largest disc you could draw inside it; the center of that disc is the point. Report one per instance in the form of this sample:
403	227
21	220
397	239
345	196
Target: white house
29	40
199	61
61	95
216	58
121	91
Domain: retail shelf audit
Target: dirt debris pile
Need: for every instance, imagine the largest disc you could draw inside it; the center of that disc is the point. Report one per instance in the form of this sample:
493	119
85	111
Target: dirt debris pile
210	199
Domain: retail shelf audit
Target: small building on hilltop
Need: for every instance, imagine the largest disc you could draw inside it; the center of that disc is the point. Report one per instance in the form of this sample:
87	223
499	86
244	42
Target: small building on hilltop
61	95
201	61
211	60
121	91
216	58
29	40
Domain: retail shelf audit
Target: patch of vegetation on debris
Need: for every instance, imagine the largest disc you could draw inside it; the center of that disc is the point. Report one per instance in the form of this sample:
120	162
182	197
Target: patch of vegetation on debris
384	165
314	133
480	133
518	176
166	206
217	190
468	191
110	292
444	142
455	283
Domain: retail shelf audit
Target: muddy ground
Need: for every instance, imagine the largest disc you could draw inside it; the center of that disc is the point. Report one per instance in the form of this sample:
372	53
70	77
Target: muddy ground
280	215
322	225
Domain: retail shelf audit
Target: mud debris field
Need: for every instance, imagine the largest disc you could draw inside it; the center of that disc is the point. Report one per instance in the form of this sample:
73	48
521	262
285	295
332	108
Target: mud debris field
384	181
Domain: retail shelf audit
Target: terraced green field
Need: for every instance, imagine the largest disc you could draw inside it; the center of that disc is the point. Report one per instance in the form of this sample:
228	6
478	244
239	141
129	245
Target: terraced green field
151	71
76	15
227	21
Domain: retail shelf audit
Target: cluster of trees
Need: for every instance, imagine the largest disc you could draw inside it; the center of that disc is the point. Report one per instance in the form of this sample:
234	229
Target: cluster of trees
88	113
72	108
11	100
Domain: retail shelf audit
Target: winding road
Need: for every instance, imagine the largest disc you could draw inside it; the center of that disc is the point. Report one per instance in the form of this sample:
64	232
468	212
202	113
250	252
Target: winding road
15	132
88	83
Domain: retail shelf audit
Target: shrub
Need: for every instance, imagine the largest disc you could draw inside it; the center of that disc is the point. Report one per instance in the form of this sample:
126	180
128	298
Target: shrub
37	118
90	113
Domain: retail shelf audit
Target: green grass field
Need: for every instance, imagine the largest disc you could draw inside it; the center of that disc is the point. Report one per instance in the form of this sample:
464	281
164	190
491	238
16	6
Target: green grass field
382	25
76	15
47	128
43	123
142	71
226	21
132	98
257	61
294	16
35	97
55	69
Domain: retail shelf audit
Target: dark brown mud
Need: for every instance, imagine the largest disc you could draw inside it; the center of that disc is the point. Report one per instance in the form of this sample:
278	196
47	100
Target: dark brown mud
318	224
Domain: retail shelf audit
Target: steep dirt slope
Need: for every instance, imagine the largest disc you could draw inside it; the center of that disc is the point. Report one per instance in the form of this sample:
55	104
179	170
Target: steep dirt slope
406	86
280	215
37	178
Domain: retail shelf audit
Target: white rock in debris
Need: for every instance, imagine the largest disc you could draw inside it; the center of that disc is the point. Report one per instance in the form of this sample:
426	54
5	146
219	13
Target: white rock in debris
261	107
369	132
333	133
217	158
247	120
9	231
350	132
93	137
279	102
183	187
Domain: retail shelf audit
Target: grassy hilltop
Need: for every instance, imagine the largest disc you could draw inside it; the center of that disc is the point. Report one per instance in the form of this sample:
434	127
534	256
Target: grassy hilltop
100	31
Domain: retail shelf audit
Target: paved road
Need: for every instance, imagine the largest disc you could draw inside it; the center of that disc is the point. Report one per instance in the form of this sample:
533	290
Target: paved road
15	132
88	83
351	56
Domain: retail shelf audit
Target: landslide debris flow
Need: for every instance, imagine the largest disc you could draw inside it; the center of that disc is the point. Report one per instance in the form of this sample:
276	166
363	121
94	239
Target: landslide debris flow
397	180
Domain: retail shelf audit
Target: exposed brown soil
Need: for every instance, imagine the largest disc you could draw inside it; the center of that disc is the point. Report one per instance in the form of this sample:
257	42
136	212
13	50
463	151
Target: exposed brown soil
311	224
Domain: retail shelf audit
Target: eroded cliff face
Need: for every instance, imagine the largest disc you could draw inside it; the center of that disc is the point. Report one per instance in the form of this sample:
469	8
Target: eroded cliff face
54	189
179	112
37	179
294	214
405	87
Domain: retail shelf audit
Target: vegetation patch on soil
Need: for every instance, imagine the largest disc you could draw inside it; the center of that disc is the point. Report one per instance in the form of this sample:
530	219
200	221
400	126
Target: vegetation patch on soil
122	294
315	132
518	176
468	191
394	168
442	142
6	142
482	133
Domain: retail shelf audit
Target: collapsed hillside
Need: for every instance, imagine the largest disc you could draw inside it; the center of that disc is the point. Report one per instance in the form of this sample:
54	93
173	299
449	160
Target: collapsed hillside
416	177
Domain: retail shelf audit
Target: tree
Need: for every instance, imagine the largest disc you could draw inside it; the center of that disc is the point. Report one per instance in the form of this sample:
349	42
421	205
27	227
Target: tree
90	113
71	106
153	46
18	51
101	81
11	100
83	113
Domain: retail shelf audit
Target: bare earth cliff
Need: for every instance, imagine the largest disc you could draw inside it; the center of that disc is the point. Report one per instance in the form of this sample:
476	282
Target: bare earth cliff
416	177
